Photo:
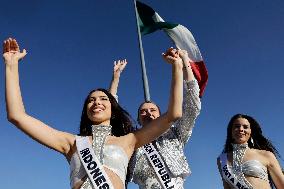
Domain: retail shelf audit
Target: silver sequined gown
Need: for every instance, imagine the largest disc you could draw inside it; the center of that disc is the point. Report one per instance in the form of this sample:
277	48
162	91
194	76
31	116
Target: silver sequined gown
170	145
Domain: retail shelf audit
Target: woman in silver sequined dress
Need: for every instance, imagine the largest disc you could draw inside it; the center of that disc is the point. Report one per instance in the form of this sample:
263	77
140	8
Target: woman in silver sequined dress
170	145
249	159
113	145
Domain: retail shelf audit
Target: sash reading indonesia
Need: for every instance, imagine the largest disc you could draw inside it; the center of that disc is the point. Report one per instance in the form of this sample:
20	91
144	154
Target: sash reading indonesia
93	167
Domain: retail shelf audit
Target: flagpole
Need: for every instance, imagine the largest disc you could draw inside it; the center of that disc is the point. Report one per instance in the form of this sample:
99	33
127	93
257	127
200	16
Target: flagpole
143	67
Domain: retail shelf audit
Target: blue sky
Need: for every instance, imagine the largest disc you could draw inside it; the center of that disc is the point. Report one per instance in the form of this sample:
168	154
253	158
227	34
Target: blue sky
71	48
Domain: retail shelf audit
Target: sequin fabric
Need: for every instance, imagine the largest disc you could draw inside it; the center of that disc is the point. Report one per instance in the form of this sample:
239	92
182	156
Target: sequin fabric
100	132
256	169
239	151
170	145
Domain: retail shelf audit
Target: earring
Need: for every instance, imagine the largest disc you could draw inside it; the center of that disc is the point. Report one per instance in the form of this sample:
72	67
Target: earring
251	140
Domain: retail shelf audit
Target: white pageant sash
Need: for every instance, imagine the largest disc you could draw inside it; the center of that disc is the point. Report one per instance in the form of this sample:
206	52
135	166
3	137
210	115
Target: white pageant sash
159	166
92	165
228	175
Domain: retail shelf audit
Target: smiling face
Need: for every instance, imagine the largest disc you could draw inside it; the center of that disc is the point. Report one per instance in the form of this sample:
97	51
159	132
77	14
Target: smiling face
241	131
147	113
99	108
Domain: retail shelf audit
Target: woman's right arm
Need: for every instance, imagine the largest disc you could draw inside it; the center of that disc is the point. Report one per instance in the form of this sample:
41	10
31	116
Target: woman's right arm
16	114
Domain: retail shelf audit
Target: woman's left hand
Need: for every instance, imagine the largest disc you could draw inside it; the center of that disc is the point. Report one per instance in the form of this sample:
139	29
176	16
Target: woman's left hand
11	52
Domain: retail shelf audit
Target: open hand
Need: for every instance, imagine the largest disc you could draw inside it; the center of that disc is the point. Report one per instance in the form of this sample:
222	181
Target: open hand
118	67
11	52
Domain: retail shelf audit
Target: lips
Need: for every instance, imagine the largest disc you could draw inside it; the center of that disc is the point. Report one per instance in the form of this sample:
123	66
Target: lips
240	135
98	109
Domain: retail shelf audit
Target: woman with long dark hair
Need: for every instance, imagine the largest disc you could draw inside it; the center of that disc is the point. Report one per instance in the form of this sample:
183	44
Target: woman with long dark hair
249	159
99	156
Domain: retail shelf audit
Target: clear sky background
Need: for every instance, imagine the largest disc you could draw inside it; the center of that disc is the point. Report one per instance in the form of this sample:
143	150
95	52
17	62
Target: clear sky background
71	48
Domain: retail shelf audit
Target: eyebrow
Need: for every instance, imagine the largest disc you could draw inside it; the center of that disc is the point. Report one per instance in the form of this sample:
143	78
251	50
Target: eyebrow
99	96
142	109
238	124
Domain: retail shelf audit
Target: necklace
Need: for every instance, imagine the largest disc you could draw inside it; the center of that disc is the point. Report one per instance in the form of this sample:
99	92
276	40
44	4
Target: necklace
239	151
100	132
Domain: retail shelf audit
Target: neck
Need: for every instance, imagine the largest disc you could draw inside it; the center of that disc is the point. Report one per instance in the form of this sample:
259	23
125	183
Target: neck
101	130
102	123
238	146
101	126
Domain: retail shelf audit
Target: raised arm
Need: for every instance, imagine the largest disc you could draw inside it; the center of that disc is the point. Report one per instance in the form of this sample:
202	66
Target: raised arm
16	113
191	101
117	69
158	126
187	71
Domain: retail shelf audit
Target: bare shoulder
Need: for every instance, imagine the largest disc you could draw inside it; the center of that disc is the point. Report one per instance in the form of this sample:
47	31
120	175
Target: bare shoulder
127	142
126	138
265	154
270	157
130	139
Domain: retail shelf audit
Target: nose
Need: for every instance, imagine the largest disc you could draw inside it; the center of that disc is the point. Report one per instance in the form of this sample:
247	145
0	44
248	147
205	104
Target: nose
97	101
148	112
241	128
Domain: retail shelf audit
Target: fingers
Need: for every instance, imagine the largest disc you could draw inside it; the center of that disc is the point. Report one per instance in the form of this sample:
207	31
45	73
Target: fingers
114	64
6	46
172	56
169	59
10	45
123	64
22	54
172	52
14	45
183	53
11	50
119	65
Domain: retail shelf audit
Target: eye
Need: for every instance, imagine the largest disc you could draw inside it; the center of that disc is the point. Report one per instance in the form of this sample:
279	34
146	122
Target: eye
91	100
153	110
142	112
104	98
236	126
246	127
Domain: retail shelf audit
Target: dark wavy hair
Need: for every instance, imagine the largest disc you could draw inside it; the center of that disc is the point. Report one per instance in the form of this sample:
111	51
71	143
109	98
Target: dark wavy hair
147	101
120	119
259	141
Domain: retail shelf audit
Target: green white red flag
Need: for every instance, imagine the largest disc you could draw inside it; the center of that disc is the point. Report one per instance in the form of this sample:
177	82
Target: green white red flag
150	21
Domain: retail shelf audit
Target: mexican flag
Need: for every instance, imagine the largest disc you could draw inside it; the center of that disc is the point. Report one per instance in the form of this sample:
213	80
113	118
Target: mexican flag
149	21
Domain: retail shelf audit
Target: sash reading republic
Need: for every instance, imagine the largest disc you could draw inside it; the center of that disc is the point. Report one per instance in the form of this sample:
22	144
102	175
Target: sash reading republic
228	175
92	165
159	166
